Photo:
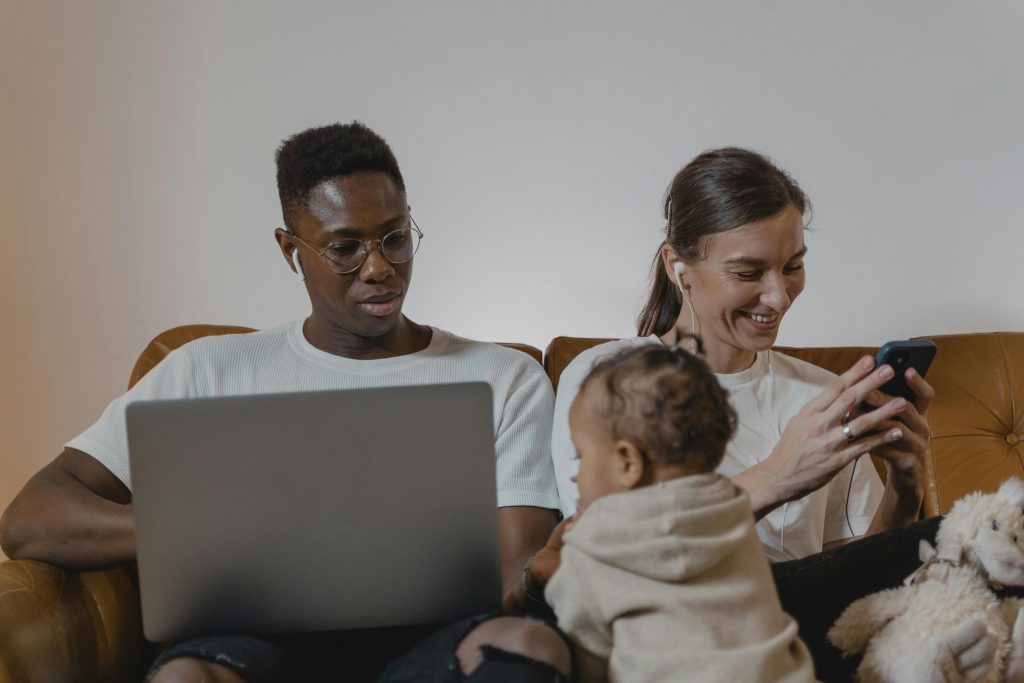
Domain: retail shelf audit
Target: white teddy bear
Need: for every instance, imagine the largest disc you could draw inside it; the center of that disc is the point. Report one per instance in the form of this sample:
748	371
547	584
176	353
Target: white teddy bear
906	633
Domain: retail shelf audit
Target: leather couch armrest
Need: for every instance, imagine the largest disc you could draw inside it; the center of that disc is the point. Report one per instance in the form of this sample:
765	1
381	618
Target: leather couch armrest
63	627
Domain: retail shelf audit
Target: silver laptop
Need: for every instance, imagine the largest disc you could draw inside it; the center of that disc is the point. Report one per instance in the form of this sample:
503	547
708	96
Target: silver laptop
315	511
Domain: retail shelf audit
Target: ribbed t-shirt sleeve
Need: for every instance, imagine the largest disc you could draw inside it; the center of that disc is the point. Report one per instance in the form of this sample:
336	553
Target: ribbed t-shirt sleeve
107	439
522	442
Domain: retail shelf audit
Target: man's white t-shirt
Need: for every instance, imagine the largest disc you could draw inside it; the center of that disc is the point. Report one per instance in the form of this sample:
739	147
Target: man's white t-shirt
281	360
765	396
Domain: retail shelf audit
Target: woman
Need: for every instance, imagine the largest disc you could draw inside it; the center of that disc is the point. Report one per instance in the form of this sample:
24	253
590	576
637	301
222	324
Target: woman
729	269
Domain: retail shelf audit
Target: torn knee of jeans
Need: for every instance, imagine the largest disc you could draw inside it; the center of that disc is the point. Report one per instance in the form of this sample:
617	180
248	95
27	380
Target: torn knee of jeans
501	665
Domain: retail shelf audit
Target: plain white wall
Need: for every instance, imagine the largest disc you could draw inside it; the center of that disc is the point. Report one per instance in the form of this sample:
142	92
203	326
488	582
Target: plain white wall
137	179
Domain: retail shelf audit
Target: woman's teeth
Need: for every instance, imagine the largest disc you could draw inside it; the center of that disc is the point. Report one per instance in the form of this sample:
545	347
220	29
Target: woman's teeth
763	318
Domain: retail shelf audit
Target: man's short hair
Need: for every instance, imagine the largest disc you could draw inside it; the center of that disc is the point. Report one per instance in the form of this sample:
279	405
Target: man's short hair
308	158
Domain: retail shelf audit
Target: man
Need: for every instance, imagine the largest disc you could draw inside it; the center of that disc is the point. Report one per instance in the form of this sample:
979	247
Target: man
350	237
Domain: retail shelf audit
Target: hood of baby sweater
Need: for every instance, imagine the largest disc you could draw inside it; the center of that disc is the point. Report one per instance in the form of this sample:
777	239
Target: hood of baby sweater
669	531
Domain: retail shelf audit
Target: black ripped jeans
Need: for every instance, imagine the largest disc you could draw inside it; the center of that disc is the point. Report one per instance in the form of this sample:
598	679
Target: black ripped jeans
814	591
362	656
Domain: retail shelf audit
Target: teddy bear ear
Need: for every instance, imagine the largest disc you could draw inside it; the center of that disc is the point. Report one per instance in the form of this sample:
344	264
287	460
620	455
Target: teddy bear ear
1012	491
925	551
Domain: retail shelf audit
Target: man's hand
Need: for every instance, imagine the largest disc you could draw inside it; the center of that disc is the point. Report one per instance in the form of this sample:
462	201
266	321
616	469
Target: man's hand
546	562
523	532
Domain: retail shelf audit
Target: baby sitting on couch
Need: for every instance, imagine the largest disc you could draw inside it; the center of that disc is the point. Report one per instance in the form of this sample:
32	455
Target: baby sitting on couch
662	576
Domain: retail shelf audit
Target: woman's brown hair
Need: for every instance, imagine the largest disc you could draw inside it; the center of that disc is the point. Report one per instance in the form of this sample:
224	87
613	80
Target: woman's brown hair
720	190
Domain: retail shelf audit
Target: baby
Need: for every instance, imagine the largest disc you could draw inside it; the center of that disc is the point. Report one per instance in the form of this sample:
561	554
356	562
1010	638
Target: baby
662	576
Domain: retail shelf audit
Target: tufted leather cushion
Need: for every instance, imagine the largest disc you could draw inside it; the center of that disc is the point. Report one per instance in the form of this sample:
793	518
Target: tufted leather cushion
977	418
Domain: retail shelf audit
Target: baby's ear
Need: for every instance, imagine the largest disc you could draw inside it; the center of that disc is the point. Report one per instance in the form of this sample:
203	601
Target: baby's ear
630	464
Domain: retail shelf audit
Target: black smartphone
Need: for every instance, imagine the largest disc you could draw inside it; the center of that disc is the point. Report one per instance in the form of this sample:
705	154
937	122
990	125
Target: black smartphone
901	356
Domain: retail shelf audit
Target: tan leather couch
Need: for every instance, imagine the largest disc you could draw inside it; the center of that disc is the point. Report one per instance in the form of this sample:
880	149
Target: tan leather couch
58	626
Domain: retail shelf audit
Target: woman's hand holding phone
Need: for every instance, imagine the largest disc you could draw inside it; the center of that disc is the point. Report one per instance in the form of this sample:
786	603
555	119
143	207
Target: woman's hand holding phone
906	456
913	354
821	440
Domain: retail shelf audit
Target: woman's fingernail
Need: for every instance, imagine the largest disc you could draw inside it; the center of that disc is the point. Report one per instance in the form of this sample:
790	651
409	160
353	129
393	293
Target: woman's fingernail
901	403
895	435
874	397
886	372
867	362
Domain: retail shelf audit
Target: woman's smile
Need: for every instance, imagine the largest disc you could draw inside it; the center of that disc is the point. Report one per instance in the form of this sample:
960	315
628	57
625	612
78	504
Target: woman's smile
761	322
744	285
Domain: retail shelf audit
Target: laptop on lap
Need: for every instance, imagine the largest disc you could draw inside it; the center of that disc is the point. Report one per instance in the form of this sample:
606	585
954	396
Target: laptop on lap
315	511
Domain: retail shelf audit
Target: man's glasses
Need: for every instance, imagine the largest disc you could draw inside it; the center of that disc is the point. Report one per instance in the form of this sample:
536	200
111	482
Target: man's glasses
348	255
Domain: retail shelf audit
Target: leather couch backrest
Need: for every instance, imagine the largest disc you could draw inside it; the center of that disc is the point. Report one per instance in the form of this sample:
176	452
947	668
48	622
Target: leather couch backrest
165	342
562	350
977	417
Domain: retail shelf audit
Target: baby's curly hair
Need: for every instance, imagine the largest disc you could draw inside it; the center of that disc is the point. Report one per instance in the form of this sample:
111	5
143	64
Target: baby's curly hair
668	403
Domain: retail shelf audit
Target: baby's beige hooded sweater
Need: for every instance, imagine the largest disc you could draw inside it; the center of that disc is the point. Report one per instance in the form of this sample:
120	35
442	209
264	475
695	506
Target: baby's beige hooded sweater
669	583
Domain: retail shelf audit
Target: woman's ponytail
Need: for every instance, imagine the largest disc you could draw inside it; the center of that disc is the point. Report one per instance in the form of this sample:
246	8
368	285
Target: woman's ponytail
662	307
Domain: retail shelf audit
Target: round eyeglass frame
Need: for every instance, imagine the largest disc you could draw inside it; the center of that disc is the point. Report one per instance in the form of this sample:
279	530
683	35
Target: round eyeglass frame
366	246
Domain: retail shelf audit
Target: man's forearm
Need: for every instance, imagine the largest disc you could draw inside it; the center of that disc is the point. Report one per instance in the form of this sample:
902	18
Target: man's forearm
69	526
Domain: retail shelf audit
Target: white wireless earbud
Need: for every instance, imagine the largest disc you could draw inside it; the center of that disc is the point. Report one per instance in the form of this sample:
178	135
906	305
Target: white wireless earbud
679	267
298	265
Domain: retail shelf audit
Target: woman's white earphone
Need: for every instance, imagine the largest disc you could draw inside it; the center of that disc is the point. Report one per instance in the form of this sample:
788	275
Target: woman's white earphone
679	267
298	266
